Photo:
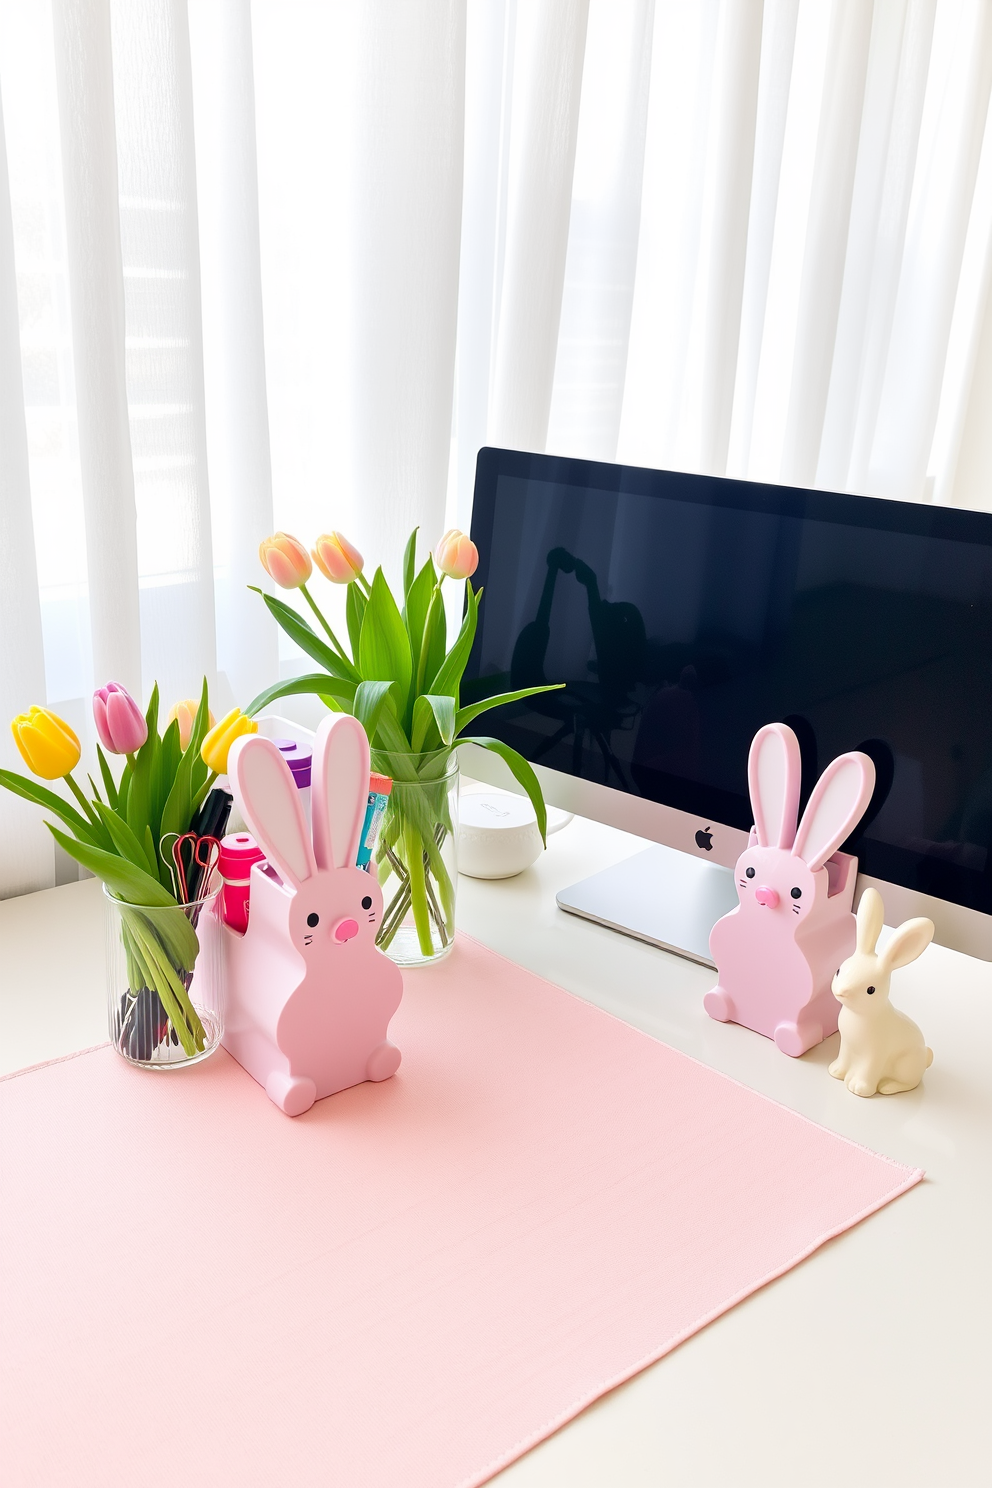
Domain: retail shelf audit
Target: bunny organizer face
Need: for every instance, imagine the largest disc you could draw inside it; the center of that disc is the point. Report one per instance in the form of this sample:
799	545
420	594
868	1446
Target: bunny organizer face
777	951
309	996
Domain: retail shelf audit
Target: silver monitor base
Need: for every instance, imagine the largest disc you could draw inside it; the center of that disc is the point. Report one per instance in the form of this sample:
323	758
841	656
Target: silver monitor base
662	896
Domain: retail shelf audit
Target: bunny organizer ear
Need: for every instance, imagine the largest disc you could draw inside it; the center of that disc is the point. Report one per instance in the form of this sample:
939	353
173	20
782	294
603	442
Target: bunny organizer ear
871	916
774	770
340	790
836	806
270	804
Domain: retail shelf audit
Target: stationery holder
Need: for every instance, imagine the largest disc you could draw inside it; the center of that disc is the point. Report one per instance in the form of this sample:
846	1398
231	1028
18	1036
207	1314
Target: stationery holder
309	997
777	952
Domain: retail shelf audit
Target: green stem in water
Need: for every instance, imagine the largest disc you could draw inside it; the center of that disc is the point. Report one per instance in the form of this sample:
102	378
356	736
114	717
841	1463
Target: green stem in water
414	852
327	629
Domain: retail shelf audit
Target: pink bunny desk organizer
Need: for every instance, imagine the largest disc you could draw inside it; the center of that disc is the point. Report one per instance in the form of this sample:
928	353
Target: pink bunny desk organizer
308	996
777	952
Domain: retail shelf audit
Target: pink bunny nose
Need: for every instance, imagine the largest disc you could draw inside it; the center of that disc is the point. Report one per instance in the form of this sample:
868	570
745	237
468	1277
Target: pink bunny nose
345	930
767	897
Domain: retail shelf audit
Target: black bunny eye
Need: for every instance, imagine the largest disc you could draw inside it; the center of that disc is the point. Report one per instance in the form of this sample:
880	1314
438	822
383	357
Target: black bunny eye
797	893
870	991
367	902
749	872
313	919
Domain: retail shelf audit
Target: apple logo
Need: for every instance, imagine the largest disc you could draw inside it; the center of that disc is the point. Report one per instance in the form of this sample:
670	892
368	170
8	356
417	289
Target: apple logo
704	839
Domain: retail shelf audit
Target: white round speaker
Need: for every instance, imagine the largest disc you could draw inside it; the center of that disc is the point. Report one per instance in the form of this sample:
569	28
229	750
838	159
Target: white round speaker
498	835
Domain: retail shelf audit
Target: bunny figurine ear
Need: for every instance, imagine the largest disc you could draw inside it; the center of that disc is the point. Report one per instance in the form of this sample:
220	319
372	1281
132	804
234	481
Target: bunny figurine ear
871	915
837	804
340	790
906	943
270	804
774	770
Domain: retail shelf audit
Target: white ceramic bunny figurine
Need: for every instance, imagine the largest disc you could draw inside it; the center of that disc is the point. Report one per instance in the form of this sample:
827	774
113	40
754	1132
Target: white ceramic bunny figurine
309	996
880	1048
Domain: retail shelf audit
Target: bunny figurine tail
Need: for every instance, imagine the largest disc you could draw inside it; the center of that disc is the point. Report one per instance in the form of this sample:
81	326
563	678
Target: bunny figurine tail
777	951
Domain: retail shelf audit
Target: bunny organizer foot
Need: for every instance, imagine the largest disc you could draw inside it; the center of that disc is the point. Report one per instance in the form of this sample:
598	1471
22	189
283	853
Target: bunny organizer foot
777	951
309	996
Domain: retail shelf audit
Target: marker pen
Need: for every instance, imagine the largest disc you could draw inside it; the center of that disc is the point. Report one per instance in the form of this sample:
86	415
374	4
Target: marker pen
379	788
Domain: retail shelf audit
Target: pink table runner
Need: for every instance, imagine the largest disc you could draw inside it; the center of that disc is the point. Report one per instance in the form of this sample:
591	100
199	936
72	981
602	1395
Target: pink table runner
411	1284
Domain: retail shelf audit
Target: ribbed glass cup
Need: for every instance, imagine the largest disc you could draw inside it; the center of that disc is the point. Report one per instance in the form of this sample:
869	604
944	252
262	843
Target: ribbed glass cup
164	988
416	857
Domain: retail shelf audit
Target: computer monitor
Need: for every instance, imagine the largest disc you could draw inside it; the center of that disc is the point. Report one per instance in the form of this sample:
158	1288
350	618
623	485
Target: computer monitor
683	612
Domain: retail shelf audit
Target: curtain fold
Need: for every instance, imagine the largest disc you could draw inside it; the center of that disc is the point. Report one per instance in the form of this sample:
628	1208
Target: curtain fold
549	47
292	266
235	393
22	656
406	223
84	71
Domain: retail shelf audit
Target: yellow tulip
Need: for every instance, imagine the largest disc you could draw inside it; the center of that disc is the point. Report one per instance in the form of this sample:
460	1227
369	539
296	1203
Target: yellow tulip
47	744
217	744
185	712
286	560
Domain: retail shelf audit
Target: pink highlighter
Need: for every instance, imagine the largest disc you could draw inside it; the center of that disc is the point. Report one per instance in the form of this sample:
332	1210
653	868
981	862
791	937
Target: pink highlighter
238	852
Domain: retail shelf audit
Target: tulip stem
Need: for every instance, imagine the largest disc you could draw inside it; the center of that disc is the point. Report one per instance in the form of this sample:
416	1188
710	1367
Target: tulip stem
87	808
364	583
329	632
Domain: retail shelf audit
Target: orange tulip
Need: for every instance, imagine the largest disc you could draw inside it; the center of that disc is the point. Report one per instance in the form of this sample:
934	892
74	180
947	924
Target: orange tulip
456	555
185	714
285	560
337	558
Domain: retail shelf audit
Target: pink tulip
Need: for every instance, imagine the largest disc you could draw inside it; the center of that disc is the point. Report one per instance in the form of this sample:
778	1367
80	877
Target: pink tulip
286	560
456	555
119	721
337	558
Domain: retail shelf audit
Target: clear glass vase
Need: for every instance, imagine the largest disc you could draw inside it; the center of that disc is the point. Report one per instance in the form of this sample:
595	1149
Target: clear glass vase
165	994
415	856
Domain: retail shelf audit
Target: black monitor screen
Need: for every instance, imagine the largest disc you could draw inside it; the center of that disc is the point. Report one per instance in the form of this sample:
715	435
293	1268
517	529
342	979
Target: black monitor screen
683	612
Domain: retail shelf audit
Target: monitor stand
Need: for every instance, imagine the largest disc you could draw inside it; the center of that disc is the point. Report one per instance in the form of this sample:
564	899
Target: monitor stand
662	896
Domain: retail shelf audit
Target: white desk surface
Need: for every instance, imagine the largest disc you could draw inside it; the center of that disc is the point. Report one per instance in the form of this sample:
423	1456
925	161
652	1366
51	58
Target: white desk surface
869	1363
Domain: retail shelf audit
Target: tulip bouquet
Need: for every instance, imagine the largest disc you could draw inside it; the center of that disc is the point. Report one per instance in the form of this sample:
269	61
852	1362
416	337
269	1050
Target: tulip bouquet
123	835
402	680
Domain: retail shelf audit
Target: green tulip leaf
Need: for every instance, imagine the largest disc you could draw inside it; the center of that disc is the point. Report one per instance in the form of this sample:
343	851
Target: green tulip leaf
108	779
313	683
308	641
443	710
354	606
523	772
449	674
125	841
464	716
384	646
418	603
410	562
435	642
30	790
370	700
122	878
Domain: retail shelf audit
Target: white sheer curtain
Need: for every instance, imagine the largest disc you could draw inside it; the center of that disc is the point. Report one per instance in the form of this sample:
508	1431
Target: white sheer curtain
267	265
